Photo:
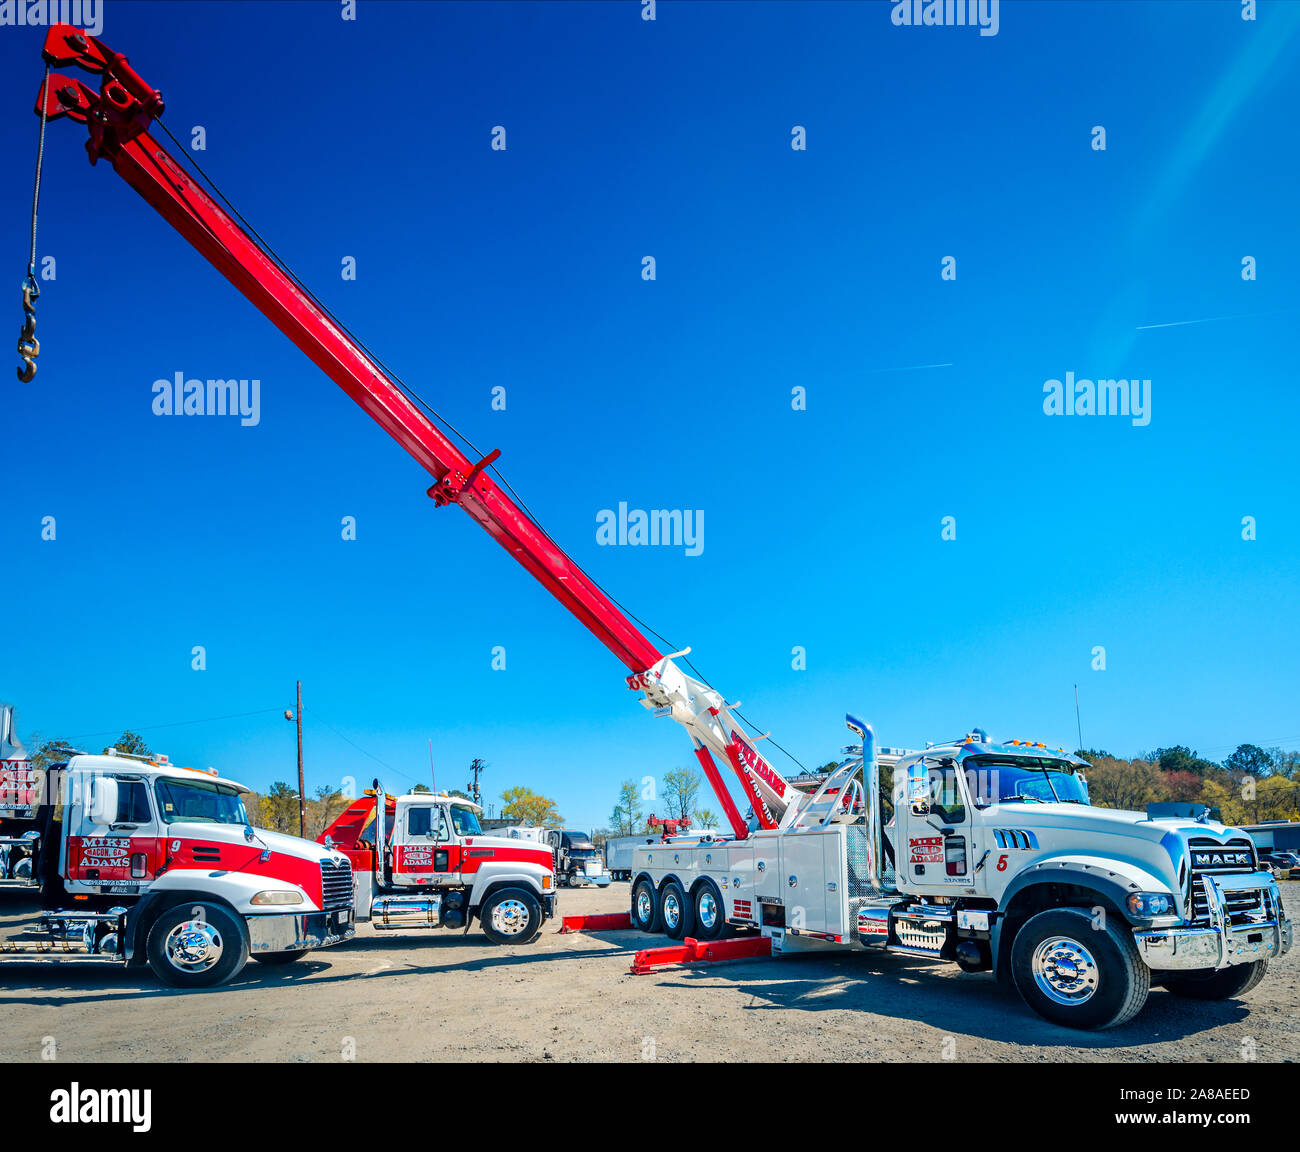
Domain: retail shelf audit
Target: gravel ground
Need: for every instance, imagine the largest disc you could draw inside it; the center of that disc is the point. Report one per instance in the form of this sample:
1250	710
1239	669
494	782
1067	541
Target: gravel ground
450	996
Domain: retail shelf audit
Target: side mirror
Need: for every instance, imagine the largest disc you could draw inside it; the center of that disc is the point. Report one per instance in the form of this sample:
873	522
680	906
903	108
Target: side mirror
102	810
918	789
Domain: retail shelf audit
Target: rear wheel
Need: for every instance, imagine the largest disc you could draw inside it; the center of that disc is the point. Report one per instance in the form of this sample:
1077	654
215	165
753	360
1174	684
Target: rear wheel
645	906
511	916
676	911
1078	974
1224	984
710	917
197	946
277	958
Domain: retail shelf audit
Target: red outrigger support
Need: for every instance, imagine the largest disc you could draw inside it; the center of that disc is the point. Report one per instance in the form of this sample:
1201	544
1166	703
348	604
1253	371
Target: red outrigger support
599	922
692	951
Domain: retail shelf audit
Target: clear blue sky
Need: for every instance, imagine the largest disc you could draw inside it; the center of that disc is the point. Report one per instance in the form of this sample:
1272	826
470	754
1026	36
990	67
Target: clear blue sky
775	268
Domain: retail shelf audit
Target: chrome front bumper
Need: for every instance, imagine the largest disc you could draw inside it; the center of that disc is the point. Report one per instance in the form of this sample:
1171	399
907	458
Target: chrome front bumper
1220	943
297	932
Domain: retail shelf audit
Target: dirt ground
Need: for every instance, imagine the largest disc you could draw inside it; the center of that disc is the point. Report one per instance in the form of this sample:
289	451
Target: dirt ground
449	996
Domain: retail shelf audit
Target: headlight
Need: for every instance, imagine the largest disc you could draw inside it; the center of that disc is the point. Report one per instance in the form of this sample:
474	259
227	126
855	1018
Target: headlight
277	896
1148	904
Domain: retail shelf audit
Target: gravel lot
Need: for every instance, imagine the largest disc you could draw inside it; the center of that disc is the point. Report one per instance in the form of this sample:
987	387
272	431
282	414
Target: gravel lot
450	996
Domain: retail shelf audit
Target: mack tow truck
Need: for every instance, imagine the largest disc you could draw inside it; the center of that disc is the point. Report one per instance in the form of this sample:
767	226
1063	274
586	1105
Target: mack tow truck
422	861
1084	908
139	861
993	860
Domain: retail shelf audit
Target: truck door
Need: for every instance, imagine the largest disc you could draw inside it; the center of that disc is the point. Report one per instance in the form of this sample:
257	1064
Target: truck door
421	849
935	849
115	841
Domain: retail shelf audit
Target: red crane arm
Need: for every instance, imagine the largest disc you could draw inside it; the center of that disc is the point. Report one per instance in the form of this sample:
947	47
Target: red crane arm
118	115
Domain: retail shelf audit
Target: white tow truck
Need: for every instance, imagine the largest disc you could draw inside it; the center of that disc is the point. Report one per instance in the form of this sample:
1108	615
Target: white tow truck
139	861
422	861
993	859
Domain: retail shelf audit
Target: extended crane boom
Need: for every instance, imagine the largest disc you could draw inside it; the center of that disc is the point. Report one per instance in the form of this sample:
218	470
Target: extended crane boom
118	116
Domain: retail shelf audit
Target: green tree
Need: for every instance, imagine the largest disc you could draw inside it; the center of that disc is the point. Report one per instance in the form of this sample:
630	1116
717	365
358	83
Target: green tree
1092	755
1249	760
705	818
131	744
681	787
1180	758
322	810
528	807
275	810
421	788
628	815
1127	784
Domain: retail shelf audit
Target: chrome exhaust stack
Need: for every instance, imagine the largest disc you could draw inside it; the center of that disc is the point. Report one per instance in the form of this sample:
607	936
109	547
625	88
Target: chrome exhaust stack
871	795
381	834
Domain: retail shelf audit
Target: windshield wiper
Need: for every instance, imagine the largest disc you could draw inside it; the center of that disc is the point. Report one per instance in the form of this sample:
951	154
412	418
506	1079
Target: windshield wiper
1029	799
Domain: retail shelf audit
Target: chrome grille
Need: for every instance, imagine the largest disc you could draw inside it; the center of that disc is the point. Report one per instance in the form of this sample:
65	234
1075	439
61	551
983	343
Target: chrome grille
1212	858
336	885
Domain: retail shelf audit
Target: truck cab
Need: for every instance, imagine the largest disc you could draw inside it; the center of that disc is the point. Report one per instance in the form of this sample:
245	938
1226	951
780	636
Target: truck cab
141	861
578	862
423	861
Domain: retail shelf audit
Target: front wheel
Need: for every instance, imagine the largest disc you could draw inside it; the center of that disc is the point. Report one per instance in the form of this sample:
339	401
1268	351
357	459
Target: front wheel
1075	972
1223	984
277	958
197	946
511	916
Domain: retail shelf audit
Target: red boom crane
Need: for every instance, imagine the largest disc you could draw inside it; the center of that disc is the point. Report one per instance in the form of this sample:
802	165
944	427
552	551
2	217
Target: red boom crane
118	116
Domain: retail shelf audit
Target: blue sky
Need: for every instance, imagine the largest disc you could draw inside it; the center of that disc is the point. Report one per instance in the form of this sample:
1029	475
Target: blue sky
775	268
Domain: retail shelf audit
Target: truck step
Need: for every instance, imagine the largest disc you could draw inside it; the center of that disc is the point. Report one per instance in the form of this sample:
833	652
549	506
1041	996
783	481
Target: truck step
692	951
602	922
912	950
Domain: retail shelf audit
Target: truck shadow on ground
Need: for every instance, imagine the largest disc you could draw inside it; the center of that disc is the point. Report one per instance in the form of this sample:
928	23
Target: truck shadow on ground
955	1005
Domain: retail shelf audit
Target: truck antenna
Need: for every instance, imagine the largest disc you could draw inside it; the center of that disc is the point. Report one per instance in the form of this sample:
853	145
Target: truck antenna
1077	721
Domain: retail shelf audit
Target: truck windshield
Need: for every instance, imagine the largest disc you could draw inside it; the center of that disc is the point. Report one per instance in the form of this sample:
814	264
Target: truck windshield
466	821
192	801
1026	781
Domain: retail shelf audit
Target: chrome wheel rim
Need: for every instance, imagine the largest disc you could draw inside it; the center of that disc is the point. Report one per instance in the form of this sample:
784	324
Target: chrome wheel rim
1065	971
194	946
510	917
644	906
708	910
672	910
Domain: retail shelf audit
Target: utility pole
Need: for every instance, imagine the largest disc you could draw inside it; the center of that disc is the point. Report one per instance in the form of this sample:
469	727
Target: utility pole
476	766
302	803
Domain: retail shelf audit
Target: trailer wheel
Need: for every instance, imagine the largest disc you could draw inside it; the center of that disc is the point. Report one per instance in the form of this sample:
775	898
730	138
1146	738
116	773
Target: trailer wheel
197	946
676	911
1223	984
277	958
710	913
511	916
1076	974
645	907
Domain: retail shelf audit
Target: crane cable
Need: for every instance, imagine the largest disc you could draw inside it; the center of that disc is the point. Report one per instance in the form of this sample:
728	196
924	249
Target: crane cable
28	346
410	392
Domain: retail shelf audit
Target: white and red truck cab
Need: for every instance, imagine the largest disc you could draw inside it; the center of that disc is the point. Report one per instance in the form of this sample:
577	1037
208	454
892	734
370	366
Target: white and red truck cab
142	861
422	861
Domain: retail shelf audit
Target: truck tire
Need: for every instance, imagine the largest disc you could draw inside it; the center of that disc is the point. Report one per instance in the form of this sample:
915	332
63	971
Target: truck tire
196	945
1075	974
710	912
676	911
275	959
1224	984
645	907
511	916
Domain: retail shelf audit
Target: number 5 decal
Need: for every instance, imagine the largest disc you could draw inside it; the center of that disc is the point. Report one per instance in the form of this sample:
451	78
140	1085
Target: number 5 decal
1002	863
